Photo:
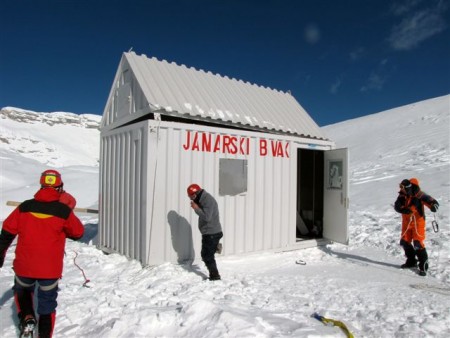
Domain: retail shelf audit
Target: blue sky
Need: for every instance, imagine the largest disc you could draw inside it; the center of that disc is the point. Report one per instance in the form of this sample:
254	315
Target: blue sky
339	59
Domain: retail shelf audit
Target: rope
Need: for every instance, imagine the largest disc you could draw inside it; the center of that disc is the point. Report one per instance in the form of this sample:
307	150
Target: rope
407	228
82	271
415	228
413	217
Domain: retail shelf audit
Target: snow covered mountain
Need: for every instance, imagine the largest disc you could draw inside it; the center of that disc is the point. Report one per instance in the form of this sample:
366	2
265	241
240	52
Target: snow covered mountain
265	294
31	142
55	118
54	139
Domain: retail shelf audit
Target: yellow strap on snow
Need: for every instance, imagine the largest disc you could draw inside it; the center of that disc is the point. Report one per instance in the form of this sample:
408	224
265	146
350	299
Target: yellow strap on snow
335	323
339	324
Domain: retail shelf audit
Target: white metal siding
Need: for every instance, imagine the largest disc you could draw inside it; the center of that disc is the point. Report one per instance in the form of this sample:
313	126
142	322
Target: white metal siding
146	214
257	220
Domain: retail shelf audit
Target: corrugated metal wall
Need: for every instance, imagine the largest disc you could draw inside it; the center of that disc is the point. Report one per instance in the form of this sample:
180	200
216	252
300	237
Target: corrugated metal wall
146	214
123	189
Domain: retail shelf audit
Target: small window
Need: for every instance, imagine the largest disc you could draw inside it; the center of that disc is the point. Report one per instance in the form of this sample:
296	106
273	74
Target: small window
232	177
123	100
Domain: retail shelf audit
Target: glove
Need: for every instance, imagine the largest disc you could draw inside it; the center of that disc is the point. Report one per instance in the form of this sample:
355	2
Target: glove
68	200
434	207
2	258
6	238
406	211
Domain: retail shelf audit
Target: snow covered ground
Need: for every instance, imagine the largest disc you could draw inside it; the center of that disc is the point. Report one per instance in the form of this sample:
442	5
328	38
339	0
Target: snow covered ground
264	294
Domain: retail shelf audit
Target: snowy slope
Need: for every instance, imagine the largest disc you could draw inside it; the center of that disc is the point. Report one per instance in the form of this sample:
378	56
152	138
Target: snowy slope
268	295
407	141
385	148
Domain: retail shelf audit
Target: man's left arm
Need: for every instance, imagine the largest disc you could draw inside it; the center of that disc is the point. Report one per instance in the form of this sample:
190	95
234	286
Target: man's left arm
430	202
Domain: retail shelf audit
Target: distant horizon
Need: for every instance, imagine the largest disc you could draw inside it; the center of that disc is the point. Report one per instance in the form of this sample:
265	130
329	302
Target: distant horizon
356	117
339	64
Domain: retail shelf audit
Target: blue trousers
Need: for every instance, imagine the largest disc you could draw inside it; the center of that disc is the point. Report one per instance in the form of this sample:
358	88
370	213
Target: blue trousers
47	293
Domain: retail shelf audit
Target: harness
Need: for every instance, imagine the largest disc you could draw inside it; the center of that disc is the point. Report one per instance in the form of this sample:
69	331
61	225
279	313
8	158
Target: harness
413	217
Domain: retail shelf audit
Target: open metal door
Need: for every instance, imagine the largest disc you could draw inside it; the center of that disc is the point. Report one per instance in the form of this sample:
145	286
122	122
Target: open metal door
336	199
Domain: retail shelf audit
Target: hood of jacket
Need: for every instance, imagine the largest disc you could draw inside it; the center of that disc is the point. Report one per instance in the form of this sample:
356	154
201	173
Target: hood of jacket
47	195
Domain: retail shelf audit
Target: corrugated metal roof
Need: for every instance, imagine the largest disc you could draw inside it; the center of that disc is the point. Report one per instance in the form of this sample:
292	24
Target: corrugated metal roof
191	93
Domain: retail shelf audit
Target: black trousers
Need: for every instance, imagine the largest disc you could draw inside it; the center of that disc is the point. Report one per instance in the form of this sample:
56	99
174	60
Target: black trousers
209	247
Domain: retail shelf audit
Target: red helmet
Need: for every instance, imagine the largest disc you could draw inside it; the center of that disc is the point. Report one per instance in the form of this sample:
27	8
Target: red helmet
414	181
193	189
51	178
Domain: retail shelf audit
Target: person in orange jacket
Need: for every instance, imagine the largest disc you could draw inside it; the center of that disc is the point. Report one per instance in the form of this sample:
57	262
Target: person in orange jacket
410	203
42	225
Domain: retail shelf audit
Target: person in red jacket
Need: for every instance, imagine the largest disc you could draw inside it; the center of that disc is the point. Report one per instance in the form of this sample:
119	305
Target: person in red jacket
410	203
41	225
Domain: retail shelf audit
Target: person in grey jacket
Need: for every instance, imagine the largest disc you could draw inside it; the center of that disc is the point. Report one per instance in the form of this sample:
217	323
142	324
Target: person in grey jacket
205	206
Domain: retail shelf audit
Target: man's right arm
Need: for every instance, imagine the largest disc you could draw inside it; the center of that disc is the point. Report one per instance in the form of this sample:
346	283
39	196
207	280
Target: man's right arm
400	207
74	229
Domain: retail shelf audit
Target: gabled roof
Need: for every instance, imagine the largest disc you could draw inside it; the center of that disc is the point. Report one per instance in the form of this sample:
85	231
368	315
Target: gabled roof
187	93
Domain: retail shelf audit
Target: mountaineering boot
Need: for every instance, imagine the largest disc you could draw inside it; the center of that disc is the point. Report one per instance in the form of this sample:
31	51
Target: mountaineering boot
26	326
410	254
213	273
422	255
410	263
214	276
27	321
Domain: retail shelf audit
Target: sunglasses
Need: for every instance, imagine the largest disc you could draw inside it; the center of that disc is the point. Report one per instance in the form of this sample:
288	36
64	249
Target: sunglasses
404	187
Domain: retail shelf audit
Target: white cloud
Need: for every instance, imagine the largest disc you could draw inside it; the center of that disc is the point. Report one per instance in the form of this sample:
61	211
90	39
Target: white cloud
378	78
312	34
376	81
416	26
335	86
357	53
405	7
